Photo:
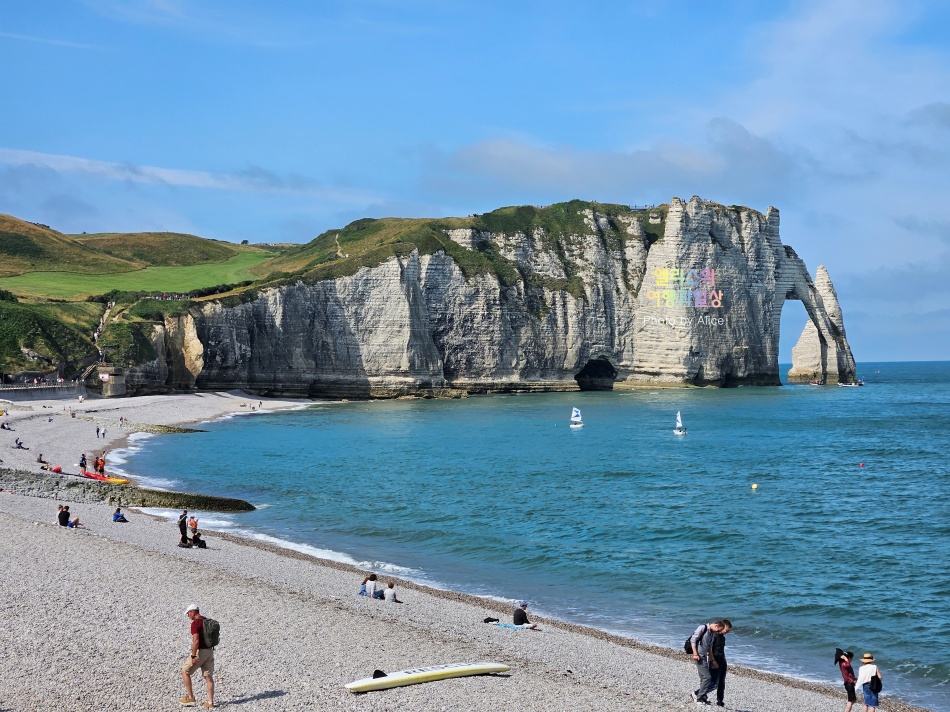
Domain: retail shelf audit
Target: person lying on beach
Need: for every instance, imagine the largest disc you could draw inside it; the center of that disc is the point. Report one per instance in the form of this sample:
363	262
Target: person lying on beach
520	617
6	426
389	593
18	445
117	516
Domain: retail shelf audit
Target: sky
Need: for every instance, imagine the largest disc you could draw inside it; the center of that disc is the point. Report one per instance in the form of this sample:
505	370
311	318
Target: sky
273	122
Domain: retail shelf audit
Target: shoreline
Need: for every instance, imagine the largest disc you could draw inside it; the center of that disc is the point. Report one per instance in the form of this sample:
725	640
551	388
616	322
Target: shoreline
665	658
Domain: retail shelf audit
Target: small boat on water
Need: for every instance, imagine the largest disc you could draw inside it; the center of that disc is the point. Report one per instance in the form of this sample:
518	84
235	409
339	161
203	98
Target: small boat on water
852	384
679	429
817	383
576	420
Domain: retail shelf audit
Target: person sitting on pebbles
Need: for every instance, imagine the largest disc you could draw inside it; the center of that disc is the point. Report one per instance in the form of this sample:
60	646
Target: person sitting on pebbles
521	617
389	593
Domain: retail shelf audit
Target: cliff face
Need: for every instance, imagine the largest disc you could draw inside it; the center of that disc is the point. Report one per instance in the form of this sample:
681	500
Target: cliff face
690	294
815	358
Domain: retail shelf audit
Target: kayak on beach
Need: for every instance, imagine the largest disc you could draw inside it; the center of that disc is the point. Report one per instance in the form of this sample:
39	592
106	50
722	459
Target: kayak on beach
103	478
413	676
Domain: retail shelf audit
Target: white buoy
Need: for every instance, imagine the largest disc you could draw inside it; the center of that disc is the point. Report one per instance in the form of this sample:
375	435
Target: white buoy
755	487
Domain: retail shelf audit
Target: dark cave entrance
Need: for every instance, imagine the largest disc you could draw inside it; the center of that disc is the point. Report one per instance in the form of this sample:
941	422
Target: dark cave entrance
598	374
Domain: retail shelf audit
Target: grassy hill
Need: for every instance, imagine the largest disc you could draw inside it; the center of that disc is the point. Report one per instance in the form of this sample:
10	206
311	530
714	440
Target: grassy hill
165	249
70	285
36	337
26	247
43	267
369	242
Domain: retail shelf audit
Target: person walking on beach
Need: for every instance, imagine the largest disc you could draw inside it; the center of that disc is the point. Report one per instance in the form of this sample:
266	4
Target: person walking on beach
521	616
202	656
97	432
183	528
869	679
702	642
843	661
719	655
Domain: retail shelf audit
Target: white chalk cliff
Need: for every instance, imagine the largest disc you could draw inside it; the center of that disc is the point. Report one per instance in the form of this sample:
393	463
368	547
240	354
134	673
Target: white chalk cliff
588	306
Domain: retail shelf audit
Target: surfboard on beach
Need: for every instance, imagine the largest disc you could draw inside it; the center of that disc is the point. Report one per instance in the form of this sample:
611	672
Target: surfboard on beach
413	676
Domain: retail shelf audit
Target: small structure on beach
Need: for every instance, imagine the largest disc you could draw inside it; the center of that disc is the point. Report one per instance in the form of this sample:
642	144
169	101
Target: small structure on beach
113	381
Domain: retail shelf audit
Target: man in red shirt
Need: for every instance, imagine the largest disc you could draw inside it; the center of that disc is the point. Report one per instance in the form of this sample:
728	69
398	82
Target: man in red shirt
201	657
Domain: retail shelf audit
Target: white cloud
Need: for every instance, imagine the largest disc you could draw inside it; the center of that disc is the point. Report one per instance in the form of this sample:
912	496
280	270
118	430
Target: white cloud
47	41
252	178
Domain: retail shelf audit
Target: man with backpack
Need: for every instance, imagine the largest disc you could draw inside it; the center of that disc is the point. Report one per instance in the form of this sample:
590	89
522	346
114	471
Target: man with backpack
204	637
702	642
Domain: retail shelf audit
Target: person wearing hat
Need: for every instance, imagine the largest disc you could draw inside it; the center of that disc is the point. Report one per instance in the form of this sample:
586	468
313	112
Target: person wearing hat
843	661
866	673
201	657
521	616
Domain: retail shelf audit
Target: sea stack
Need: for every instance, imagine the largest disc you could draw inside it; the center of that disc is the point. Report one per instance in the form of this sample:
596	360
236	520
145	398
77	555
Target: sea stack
815	359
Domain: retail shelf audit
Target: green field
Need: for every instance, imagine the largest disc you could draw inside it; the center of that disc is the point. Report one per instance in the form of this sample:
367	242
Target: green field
72	285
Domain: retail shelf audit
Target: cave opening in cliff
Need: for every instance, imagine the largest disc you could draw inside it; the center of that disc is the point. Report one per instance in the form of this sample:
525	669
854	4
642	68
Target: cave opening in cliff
598	374
794	318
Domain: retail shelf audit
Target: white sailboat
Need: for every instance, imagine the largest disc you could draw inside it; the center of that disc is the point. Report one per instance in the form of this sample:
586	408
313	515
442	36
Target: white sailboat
576	420
679	429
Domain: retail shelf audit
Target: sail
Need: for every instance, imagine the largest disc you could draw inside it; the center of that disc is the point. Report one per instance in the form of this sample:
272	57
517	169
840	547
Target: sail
576	415
679	420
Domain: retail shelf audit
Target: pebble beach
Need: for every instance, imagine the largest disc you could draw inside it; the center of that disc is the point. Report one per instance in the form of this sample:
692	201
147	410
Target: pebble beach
94	618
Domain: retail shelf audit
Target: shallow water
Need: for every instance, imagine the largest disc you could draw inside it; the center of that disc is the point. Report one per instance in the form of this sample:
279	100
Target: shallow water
622	525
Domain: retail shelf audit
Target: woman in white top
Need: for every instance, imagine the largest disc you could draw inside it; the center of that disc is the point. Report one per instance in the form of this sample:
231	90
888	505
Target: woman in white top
866	673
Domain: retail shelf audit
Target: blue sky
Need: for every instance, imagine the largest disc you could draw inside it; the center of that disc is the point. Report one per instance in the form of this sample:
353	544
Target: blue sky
274	122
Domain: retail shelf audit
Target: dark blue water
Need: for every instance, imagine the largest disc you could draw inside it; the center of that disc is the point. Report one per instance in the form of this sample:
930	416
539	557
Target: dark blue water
624	526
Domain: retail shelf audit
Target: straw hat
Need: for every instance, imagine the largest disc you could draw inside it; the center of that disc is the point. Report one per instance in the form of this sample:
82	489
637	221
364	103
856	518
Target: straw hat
867	658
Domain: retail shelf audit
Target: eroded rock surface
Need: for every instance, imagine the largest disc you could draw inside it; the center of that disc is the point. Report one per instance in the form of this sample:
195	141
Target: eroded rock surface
417	325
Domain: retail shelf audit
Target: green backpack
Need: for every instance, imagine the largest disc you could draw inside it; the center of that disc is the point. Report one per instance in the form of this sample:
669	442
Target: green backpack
211	630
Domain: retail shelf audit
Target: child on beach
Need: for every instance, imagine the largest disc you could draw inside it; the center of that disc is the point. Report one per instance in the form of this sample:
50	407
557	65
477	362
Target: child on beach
389	594
118	516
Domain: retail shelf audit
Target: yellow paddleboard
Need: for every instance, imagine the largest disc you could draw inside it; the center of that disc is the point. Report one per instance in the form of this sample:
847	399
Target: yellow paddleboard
414	676
118	480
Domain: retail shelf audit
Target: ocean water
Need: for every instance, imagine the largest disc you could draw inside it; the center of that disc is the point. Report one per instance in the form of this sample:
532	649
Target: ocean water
622	525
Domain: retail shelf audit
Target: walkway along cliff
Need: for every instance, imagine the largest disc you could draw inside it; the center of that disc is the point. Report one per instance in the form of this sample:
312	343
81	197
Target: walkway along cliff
523	299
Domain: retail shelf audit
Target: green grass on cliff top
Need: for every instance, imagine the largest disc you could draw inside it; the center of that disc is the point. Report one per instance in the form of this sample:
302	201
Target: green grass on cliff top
369	242
72	285
160	249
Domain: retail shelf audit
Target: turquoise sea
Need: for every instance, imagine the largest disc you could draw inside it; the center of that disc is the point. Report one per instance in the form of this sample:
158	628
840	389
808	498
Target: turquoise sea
622	525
